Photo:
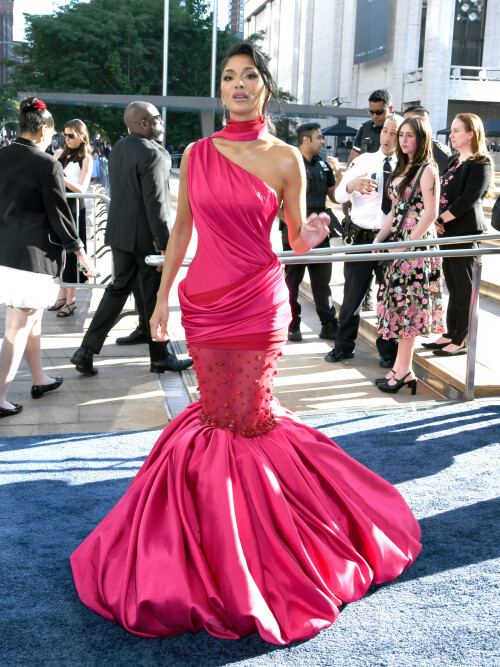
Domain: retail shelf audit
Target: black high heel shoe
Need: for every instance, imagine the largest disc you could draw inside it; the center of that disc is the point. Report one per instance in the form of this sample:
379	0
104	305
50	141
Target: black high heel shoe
384	379
394	388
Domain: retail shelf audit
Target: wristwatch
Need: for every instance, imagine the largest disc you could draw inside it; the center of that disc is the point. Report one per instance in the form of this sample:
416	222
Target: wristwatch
440	220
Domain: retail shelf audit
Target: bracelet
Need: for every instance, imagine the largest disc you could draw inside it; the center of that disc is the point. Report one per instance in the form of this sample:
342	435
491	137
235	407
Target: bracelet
440	220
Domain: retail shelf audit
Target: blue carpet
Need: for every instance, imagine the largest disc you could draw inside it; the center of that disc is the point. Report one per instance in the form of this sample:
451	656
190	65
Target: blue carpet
442	611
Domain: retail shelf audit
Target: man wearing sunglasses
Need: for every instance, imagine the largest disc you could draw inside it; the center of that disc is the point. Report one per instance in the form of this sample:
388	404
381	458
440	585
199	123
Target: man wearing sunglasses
367	139
138	218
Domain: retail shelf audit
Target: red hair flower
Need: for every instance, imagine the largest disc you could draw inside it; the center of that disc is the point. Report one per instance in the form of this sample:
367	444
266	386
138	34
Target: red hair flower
40	105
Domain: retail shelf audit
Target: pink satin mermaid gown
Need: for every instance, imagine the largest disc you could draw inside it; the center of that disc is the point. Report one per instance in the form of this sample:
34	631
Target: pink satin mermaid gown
242	519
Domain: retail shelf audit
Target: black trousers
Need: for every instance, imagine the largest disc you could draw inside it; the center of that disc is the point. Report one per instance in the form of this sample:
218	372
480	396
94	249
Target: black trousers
458	276
320	275
127	267
357	279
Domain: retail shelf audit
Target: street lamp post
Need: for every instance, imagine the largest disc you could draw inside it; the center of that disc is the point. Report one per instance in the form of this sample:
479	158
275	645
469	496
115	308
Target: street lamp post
166	13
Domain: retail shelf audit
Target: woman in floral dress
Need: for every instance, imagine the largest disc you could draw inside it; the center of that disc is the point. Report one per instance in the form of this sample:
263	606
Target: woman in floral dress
410	299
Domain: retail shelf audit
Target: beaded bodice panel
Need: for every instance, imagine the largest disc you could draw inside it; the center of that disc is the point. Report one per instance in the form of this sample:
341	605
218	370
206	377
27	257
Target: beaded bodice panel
236	388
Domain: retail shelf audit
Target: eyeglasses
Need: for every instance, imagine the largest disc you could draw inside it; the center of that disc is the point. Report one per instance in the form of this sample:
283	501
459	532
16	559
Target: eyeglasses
378	112
68	136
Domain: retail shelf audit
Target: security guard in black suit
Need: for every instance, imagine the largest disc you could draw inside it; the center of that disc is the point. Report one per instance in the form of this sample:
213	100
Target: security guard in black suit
367	139
137	225
320	183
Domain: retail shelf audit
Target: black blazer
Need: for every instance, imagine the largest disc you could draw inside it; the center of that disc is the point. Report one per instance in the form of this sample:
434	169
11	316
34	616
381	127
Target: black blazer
139	211
465	194
36	225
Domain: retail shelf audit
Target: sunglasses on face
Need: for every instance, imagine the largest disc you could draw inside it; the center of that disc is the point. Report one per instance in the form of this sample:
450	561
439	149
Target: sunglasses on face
68	136
378	112
152	118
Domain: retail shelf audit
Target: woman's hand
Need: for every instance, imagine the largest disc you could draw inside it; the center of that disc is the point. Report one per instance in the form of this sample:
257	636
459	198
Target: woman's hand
159	321
439	228
315	230
88	269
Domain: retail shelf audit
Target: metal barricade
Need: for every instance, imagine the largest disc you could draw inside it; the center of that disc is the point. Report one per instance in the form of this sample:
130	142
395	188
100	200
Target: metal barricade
365	253
97	227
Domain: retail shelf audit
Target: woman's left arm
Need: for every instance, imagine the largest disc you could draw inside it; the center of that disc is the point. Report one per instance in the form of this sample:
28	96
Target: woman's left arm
475	185
302	234
85	174
430	187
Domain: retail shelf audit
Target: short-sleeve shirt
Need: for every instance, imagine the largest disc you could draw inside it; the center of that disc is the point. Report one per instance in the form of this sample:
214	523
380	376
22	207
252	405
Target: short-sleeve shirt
441	154
367	139
320	178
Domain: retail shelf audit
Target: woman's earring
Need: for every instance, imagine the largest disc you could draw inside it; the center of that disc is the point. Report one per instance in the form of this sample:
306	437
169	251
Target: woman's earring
224	119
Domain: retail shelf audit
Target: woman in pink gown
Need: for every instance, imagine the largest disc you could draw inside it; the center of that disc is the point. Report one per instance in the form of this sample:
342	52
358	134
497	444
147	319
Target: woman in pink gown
242	519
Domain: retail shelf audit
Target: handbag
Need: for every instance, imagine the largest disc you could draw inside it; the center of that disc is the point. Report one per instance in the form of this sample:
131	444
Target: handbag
388	262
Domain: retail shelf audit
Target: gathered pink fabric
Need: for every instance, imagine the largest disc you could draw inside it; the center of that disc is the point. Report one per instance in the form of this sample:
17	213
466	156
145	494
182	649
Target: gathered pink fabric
242	519
233	212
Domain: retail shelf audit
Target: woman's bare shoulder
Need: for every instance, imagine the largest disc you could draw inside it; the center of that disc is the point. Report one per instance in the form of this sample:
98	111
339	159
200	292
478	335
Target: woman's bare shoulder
284	152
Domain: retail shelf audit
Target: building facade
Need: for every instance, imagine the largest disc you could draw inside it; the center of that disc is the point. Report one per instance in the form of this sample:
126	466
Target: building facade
6	43
429	52
236	16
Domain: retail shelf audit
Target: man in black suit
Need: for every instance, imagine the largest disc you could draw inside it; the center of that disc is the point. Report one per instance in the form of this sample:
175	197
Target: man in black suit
139	213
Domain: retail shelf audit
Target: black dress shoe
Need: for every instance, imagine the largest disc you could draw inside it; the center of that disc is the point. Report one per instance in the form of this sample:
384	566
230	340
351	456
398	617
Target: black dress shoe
329	331
294	335
386	362
337	355
450	353
38	390
170	363
434	346
137	336
8	412
83	360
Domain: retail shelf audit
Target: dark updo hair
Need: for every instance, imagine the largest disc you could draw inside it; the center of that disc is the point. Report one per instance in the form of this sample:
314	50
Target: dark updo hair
32	119
247	49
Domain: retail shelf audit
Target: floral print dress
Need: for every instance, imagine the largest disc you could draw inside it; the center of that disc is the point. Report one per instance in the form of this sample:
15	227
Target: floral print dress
410	298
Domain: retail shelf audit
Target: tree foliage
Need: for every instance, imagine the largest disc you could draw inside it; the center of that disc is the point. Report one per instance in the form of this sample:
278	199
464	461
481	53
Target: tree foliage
116	47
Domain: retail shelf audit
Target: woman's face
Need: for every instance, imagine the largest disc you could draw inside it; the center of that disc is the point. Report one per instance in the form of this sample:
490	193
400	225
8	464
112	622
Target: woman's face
408	140
71	138
460	137
242	88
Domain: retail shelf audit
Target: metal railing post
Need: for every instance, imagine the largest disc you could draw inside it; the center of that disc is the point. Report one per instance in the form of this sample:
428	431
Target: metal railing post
473	324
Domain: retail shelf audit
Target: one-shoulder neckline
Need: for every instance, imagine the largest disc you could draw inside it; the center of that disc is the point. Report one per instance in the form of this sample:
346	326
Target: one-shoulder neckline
245	170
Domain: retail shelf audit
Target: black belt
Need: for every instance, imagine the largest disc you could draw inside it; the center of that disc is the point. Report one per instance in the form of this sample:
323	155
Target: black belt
354	235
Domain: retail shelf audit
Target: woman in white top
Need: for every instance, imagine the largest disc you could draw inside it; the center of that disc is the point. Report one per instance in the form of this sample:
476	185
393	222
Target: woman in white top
76	160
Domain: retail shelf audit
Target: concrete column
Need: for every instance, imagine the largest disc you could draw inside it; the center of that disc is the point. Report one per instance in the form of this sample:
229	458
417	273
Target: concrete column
437	60
491	51
406	46
207	122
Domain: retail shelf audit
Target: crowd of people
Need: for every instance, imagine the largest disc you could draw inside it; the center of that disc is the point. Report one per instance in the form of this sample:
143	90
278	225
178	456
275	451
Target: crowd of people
242	519
401	185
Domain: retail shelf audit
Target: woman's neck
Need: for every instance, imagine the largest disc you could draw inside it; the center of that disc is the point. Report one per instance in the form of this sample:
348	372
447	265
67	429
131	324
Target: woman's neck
464	153
36	139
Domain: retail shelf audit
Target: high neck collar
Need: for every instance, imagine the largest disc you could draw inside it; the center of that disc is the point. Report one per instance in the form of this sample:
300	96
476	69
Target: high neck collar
244	130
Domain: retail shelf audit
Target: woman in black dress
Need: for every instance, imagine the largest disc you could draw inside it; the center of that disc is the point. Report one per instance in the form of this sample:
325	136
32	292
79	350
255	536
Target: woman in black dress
76	160
464	184
36	227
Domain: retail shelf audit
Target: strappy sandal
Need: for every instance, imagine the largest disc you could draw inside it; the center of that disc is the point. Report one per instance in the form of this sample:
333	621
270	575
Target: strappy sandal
56	307
67	310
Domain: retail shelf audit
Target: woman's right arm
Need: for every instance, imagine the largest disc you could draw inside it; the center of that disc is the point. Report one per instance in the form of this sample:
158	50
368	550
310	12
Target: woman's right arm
177	246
